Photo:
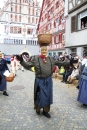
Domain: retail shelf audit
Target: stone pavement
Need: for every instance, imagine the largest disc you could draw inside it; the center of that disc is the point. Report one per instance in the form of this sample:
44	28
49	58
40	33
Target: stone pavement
17	111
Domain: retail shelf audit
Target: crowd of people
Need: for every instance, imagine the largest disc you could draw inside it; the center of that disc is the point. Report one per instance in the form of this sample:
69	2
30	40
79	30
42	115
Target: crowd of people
71	72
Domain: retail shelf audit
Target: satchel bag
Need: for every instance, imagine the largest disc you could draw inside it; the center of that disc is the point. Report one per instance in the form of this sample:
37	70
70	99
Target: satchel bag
10	78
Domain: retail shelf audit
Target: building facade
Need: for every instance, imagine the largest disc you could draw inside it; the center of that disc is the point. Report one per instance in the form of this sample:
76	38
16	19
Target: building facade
52	21
76	26
18	20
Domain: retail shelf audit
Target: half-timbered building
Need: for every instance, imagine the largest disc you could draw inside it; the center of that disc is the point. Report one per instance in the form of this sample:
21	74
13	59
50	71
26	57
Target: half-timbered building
76	26
52	21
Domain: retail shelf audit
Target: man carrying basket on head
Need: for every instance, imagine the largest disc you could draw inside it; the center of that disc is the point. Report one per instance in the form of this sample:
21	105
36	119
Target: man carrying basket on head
43	64
3	67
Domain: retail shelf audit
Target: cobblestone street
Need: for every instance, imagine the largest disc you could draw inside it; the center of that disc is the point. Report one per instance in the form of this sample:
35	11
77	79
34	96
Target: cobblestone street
17	111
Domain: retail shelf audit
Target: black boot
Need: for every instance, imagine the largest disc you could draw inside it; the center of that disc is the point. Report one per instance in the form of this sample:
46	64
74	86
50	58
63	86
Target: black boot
5	93
85	105
77	87
38	112
46	114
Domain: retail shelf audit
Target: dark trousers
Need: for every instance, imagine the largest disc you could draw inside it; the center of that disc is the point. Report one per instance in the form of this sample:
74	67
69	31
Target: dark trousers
65	77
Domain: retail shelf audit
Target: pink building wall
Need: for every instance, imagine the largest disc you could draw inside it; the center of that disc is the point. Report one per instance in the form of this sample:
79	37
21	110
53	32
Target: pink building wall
52	20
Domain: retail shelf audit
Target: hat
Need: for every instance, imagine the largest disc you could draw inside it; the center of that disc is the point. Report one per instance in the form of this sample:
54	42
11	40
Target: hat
75	61
85	53
44	39
67	56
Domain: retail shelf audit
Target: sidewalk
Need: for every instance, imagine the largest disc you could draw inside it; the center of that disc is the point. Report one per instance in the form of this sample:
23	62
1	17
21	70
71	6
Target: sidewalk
17	111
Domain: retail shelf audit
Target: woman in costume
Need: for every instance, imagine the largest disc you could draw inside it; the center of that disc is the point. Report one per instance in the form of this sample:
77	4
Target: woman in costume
3	67
43	88
82	96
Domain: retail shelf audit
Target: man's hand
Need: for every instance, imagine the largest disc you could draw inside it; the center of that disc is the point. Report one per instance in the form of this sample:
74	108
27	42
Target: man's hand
19	57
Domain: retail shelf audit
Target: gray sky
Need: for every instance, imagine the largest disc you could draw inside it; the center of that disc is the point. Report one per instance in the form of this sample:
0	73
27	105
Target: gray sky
2	2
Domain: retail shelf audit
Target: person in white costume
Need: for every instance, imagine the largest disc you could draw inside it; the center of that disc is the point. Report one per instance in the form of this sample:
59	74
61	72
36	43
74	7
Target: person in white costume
14	65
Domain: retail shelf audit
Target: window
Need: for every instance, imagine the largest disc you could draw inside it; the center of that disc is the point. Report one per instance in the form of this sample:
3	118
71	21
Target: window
82	20
26	1
54	24
52	9
73	50
5	29
56	39
15	29
49	27
11	16
33	3
73	24
60	37
19	30
57	4
15	18
29	11
16	8
32	11
36	13
11	29
36	20
29	31
63	37
11	9
33	20
19	18
29	20
20	10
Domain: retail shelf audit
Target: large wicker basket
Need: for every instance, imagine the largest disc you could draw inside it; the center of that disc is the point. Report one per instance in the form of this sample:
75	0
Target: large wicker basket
44	39
10	78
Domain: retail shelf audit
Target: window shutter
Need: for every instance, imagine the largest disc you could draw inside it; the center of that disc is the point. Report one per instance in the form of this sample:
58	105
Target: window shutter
73	24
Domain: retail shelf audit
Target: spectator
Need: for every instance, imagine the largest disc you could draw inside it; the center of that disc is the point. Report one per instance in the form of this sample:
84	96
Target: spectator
82	25
67	74
14	65
3	67
74	73
82	95
81	66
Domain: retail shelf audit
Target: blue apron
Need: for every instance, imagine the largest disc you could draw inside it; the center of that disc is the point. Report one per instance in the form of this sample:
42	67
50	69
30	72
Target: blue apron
3	67
44	89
